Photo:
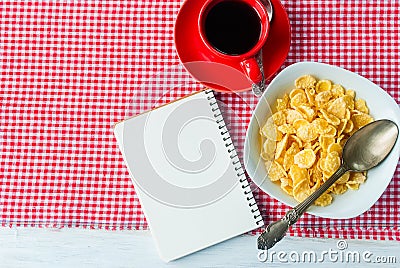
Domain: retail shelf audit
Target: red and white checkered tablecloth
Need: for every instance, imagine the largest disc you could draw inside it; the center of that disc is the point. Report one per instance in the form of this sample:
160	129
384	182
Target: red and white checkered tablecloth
71	69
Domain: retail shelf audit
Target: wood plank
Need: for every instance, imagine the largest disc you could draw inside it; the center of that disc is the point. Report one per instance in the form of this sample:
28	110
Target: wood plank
41	247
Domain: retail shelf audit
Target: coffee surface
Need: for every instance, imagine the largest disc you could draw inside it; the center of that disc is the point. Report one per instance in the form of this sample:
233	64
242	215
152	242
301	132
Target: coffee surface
232	27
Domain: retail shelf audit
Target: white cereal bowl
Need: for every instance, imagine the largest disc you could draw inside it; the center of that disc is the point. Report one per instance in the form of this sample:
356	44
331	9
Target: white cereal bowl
381	105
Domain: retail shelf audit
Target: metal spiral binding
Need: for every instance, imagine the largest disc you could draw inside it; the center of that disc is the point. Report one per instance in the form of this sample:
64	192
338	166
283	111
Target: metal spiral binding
234	157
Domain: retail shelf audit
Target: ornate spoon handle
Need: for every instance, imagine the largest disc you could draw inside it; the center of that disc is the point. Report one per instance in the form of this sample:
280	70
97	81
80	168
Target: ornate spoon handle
277	230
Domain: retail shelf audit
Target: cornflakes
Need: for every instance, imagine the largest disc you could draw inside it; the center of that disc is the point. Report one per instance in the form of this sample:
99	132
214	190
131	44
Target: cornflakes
299	123
323	85
279	118
332	163
361	119
307	133
305	158
303	140
332	119
268	151
292	115
281	147
276	171
287	129
324	200
298	99
361	106
288	159
337	90
270	130
335	147
281	104
306	111
338	108
301	190
297	174
305	81
323	97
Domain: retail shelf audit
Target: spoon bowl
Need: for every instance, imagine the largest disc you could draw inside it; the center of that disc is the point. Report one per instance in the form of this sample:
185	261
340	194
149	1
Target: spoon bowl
367	148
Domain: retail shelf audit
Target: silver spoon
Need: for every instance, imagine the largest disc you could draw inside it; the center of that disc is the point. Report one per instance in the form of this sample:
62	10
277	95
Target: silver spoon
365	149
259	88
269	8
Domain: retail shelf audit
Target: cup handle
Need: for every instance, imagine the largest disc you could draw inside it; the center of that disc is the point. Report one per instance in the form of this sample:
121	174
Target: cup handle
252	70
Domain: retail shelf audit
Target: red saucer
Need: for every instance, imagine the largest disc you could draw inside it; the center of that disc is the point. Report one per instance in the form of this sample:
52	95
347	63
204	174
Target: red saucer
216	72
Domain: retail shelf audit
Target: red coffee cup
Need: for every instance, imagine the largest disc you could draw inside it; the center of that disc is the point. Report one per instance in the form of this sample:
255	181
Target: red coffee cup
235	30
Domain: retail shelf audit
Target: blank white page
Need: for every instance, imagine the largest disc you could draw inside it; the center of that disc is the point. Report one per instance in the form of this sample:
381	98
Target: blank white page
189	182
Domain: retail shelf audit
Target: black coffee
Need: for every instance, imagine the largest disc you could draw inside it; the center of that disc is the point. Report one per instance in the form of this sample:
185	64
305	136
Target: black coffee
232	27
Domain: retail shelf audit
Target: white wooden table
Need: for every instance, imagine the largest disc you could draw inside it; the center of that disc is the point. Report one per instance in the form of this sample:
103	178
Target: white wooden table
41	247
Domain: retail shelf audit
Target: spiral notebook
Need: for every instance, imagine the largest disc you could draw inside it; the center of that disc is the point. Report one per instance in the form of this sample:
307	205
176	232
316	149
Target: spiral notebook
187	175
